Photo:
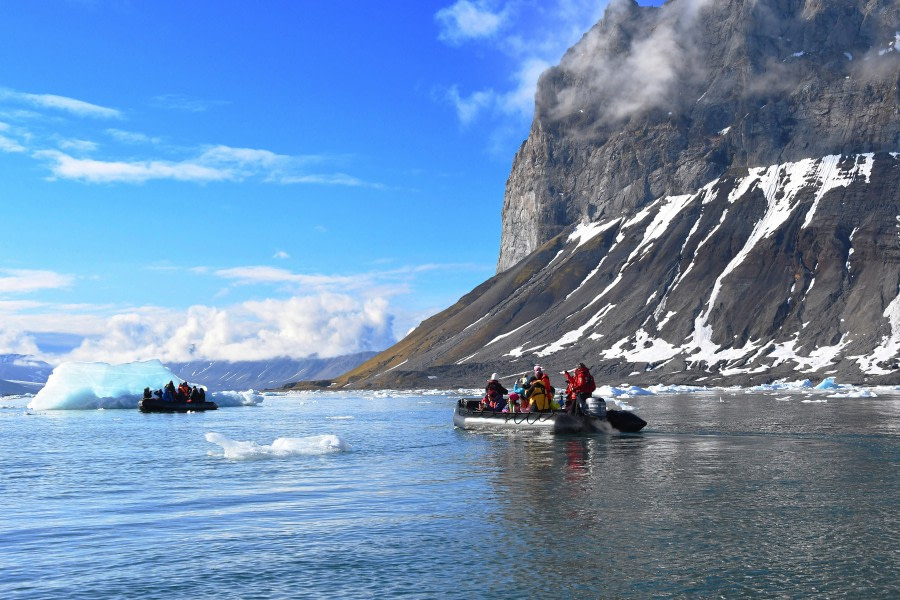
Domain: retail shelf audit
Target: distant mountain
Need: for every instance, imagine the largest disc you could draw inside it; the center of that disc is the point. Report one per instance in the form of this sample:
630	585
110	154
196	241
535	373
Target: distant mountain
20	374
23	374
709	194
264	374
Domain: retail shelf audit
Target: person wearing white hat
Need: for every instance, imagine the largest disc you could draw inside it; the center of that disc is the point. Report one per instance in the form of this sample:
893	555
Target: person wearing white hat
493	396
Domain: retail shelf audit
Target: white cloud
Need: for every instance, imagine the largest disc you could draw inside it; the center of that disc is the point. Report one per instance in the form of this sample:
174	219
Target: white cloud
467	19
326	324
641	77
185	103
281	255
537	35
255	275
22	281
131	137
78	145
213	163
9	145
62	103
99	171
327	315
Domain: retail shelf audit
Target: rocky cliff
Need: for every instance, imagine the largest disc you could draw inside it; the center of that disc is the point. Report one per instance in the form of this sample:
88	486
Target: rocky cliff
660	101
709	194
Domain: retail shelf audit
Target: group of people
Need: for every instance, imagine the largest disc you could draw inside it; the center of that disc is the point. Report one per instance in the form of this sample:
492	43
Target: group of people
532	392
183	393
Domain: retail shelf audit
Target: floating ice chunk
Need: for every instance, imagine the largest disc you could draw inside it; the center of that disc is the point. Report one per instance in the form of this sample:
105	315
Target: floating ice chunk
233	398
280	448
606	391
618	404
827	384
74	386
783	385
675	389
854	394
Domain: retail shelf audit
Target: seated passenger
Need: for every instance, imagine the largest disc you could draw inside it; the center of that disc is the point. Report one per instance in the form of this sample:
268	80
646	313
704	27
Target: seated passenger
520	384
195	395
538	395
512	405
147	394
493	397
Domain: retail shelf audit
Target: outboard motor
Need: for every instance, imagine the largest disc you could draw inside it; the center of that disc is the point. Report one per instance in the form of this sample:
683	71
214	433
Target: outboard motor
596	407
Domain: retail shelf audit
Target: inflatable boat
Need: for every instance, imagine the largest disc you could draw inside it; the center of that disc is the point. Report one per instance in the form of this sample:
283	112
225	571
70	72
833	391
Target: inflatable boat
597	419
156	405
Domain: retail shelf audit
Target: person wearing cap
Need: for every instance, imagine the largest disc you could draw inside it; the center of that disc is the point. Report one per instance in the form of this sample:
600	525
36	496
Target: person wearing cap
494	392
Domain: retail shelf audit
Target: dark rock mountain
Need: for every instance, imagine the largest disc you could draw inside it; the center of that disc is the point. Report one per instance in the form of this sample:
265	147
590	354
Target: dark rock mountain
709	194
659	101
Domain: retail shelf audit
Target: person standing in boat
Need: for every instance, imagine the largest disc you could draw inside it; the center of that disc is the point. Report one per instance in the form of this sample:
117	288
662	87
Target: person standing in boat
169	392
582	386
494	392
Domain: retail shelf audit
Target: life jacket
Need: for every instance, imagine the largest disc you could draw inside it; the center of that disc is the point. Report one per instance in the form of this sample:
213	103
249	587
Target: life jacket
539	396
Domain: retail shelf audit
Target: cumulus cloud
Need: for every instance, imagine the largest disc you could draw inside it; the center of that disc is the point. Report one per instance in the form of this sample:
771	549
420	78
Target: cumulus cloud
61	103
328	315
469	19
325	324
281	255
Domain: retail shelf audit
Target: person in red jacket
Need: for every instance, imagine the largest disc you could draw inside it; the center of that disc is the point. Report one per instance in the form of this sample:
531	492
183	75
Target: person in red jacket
580	387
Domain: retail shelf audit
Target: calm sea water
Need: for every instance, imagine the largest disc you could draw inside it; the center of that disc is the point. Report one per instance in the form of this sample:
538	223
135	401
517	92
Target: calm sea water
724	495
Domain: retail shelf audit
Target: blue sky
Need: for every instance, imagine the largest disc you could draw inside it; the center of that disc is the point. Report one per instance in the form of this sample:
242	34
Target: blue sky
214	180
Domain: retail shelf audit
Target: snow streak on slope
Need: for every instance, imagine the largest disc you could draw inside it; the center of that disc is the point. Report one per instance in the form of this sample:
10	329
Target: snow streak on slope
778	194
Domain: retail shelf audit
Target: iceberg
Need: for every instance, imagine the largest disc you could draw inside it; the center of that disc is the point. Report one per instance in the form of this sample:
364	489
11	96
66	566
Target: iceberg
280	448
79	386
783	385
827	384
235	398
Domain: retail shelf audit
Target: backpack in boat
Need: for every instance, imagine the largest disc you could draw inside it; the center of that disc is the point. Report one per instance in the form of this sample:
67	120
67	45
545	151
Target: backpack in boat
538	396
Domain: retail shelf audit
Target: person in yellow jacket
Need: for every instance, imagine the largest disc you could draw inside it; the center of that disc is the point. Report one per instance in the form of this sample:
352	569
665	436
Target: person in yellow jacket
538	395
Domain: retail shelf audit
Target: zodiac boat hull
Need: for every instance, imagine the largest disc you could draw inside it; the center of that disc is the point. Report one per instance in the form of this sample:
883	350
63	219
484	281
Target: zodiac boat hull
467	416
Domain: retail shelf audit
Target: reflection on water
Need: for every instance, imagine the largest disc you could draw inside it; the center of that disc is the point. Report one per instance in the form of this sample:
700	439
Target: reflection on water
722	495
737	497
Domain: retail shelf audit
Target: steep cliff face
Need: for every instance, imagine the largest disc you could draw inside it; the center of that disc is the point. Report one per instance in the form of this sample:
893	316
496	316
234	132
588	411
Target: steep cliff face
709	194
659	101
785	271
